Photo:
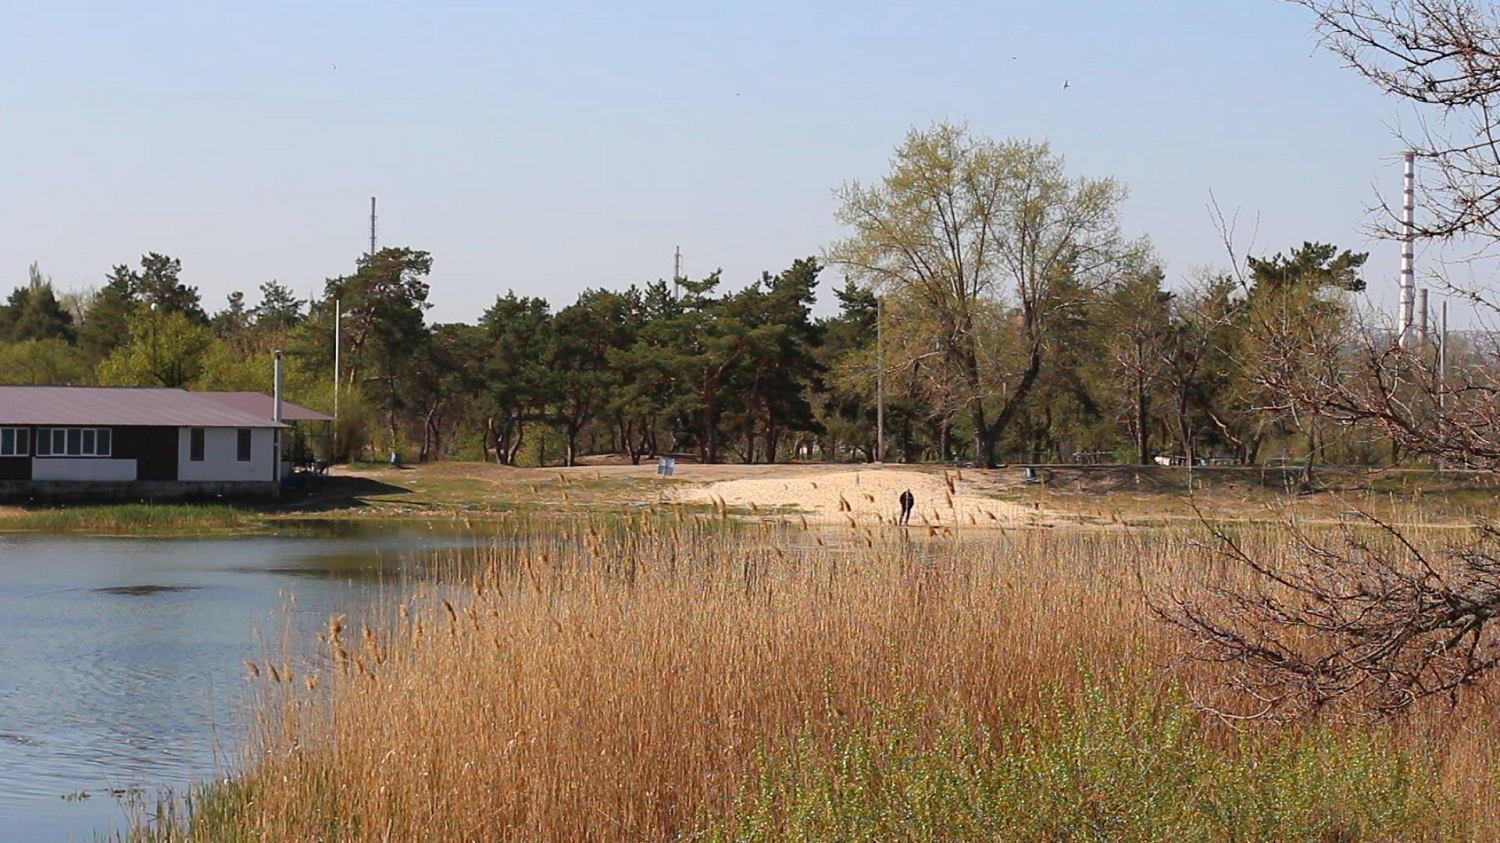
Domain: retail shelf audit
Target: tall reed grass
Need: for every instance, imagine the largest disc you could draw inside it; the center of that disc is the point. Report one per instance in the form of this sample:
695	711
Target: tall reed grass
677	680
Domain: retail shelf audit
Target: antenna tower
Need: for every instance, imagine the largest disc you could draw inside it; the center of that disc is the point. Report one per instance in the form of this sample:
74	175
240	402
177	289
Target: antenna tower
677	274
372	226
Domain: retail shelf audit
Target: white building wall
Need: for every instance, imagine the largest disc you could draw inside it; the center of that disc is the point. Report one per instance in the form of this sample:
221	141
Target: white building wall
220	452
82	469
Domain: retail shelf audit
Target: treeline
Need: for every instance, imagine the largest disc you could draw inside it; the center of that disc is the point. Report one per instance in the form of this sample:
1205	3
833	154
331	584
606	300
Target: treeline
989	305
1129	371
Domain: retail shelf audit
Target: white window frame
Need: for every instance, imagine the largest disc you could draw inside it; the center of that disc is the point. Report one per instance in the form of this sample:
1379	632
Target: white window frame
20	442
69	442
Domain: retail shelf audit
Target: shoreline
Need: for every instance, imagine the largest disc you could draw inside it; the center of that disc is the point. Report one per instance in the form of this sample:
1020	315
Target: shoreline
823	494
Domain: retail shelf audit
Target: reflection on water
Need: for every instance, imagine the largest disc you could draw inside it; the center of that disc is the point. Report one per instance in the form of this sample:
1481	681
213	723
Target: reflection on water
121	660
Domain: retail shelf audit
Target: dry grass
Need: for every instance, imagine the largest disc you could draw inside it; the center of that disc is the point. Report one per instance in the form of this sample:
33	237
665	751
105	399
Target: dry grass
671	680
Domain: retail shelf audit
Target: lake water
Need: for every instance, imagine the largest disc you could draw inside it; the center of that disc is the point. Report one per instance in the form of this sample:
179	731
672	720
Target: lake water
122	660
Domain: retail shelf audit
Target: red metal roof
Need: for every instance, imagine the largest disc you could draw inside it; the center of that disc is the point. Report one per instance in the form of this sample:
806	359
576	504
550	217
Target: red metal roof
259	404
121	405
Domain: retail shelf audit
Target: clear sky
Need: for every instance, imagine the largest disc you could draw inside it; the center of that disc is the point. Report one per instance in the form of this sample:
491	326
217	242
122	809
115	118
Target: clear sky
550	147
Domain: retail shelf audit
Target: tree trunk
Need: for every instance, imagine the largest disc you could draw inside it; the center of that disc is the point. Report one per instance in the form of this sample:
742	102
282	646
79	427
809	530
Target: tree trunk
1143	432
1012	405
984	443
514	452
709	446
749	434
429	436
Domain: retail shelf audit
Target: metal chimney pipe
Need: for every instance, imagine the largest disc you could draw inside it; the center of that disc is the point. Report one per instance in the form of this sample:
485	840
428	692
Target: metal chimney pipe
276	388
1408	285
276	417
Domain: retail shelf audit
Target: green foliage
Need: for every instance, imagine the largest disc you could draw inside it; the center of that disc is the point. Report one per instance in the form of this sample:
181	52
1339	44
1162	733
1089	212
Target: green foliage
1099	766
106	320
156	286
583	335
224	367
960	225
1016	322
165	348
159	284
1293	328
33	312
385	302
517	377
1316	265
233	321
1134	322
42	363
652	399
848	355
278	312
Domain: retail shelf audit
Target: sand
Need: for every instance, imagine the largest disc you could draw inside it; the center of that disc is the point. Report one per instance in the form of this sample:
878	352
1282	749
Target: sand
866	494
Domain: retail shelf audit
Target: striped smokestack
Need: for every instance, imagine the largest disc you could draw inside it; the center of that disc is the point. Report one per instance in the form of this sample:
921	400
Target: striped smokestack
1408	283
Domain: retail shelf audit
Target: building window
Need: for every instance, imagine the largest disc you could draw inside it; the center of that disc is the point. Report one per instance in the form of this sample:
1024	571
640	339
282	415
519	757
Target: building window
15	441
195	444
244	453
71	441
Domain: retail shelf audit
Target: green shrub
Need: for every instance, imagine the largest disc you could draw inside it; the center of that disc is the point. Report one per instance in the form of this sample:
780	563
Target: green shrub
1093	767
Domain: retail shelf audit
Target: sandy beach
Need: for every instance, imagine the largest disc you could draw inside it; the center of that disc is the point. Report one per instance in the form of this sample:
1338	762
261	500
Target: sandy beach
867	494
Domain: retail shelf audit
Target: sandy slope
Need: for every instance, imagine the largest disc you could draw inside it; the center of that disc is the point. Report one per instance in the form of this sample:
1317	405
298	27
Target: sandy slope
868	494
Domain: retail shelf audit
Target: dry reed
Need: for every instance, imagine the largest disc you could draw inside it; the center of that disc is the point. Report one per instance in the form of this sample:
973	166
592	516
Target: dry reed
607	683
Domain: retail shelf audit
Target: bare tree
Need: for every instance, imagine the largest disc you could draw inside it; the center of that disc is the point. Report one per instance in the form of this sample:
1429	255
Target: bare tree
1441	58
1364	616
1369	620
1367	616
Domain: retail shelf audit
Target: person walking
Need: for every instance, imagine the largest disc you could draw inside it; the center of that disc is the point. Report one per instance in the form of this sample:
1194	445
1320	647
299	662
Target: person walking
908	501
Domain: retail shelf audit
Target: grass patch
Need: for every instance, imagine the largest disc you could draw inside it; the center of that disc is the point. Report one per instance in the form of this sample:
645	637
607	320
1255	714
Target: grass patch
136	519
1101	764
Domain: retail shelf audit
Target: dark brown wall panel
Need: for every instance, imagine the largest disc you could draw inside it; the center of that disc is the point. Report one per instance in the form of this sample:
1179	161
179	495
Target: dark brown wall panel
154	450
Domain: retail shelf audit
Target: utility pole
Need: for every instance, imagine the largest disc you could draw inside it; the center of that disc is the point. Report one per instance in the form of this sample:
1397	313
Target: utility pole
372	226
879	384
338	317
1422	323
1443	379
1443	354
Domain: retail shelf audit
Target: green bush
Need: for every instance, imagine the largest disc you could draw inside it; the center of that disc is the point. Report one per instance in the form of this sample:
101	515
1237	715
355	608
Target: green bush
1093	767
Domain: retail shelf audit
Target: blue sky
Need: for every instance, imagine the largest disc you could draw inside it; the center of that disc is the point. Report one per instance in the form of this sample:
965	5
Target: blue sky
548	148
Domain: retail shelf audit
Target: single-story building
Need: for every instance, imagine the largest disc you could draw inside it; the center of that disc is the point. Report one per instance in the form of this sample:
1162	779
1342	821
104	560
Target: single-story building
90	443
300	444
